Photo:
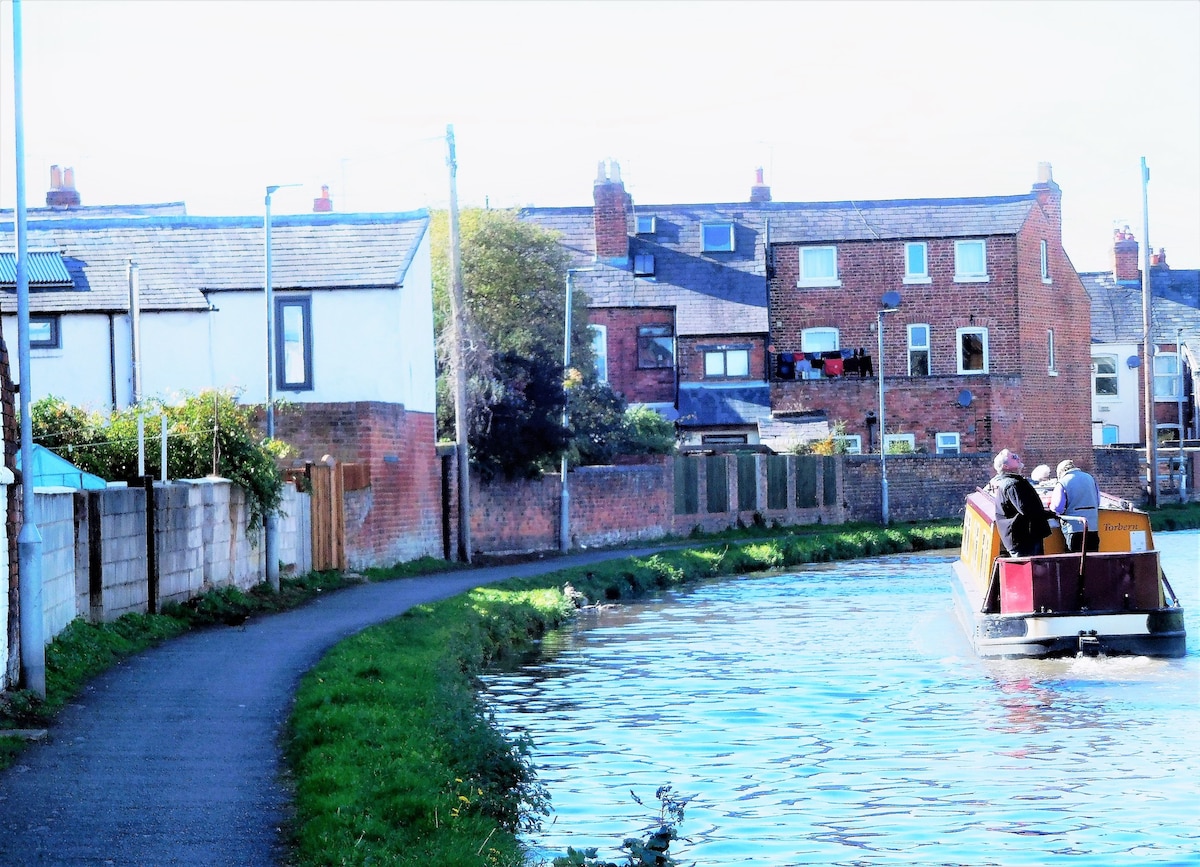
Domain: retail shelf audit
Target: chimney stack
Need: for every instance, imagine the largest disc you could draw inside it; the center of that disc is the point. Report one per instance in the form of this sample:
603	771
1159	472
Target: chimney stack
1125	257
1049	196
62	194
760	192
611	215
324	204
1159	260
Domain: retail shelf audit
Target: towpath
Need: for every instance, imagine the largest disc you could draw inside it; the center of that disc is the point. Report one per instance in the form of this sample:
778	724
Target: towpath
174	756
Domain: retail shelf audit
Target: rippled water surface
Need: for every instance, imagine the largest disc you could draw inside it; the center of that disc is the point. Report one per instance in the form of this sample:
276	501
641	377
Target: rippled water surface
839	716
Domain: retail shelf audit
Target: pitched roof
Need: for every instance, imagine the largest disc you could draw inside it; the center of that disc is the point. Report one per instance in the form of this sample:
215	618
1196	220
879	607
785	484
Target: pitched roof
724	405
1117	307
182	258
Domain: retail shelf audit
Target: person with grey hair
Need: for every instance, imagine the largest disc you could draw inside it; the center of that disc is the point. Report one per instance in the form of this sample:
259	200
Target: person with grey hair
1076	496
1021	517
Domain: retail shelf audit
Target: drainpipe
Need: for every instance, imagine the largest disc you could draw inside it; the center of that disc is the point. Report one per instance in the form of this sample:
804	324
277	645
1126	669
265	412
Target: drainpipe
112	359
135	330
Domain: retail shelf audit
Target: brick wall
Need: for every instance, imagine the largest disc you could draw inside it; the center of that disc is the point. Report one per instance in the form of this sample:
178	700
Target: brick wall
652	385
611	220
690	352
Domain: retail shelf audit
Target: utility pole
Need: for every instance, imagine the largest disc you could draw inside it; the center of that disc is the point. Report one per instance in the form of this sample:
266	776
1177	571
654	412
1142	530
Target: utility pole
1148	347
458	338
564	518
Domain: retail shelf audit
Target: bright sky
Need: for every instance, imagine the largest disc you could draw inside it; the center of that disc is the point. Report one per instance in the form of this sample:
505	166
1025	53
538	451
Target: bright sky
209	102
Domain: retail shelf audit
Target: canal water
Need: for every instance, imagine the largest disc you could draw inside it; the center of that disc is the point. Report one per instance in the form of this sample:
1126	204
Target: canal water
838	716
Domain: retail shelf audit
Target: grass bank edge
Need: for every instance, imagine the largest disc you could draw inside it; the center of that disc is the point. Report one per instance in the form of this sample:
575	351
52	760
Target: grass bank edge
394	757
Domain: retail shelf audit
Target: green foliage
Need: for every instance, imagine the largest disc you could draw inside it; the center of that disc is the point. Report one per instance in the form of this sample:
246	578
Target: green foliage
831	444
652	849
206	433
645	432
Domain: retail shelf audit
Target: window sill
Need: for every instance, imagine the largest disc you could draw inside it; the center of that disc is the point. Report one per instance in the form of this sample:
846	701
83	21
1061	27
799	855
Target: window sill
1051	373
822	283
972	278
972	373
916	281
1048	281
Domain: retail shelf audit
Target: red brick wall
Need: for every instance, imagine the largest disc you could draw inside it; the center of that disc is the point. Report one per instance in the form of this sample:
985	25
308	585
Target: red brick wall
654	385
690	354
399	516
610	218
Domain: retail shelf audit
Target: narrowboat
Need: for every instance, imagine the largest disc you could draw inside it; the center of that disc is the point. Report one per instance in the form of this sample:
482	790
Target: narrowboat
1114	602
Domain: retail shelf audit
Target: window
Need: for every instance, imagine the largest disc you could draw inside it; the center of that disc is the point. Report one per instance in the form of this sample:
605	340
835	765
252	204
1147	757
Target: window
1051	362
970	261
293	344
1104	375
656	346
643	265
818	340
849	444
600	350
44	332
900	443
818	267
645	225
1109	434
716	237
1166	376
947	444
972	350
916	262
727	362
1045	264
723	439
918	350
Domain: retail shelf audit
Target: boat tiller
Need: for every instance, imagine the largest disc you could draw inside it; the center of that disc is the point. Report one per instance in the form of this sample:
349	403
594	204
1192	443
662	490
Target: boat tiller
1089	644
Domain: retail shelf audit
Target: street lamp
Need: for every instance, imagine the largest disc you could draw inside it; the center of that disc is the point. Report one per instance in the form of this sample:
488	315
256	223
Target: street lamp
890	301
564	517
270	520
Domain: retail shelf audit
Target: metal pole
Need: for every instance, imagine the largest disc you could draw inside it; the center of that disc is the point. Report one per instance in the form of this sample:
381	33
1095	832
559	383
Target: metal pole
1148	347
29	540
270	523
1179	395
457	339
882	430
564	522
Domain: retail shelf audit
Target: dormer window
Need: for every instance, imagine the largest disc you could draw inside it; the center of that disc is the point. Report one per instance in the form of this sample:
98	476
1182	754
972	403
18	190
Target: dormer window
645	224
716	237
643	265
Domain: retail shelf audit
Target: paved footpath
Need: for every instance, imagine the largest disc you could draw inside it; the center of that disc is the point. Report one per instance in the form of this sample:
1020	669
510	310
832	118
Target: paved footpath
174	756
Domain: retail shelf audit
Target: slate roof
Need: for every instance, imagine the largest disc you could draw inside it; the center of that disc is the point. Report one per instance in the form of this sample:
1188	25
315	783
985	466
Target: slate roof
1117	308
724	405
182	258
86	212
726	293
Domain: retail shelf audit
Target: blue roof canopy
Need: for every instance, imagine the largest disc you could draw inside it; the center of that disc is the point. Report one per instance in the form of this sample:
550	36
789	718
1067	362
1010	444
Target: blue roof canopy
51	470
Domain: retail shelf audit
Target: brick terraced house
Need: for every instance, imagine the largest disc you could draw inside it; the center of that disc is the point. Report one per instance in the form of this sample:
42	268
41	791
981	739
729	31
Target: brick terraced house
756	322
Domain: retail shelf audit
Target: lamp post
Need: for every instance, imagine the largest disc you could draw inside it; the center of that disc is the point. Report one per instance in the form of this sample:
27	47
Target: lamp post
890	301
564	522
270	520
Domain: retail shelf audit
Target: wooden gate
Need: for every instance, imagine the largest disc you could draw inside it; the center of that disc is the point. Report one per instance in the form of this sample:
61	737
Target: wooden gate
328	517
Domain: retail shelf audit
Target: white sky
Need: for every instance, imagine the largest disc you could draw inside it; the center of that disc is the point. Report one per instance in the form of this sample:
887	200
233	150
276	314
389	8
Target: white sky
208	102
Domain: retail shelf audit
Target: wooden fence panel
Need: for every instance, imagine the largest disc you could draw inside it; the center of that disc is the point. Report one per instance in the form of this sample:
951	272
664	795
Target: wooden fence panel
328	517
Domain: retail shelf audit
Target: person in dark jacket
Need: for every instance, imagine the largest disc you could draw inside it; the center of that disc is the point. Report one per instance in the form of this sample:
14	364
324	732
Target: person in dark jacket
1020	515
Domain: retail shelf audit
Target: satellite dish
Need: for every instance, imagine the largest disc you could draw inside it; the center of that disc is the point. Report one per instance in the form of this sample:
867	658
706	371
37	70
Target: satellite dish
1133	361
890	300
965	398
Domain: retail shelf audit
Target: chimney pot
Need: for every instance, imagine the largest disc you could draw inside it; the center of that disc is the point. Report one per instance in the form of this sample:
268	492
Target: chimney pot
323	204
1045	174
55	178
62	192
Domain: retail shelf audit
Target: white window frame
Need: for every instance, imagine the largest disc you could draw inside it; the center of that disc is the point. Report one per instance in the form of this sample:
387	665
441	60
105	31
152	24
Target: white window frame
851	442
723	354
911	439
1114	376
1169	379
948	443
1051	356
911	276
807	335
915	347
643	265
821	280
958	345
718	228
600	350
1045	262
962	276
644	224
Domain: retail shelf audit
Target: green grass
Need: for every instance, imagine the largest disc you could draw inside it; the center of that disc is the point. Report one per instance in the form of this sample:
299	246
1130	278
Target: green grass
394	757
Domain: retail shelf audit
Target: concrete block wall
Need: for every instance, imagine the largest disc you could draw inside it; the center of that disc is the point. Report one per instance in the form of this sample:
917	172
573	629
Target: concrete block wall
123	563
56	523
179	541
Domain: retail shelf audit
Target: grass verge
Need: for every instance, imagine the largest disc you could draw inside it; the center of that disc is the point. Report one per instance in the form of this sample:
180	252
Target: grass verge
394	757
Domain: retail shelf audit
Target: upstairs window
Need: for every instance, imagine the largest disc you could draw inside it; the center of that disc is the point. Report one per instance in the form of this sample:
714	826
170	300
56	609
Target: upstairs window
645	225
1104	375
1045	263
643	265
1166	376
44	332
716	237
970	261
727	363
600	350
972	350
916	262
293	344
656	346
818	267
918	350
